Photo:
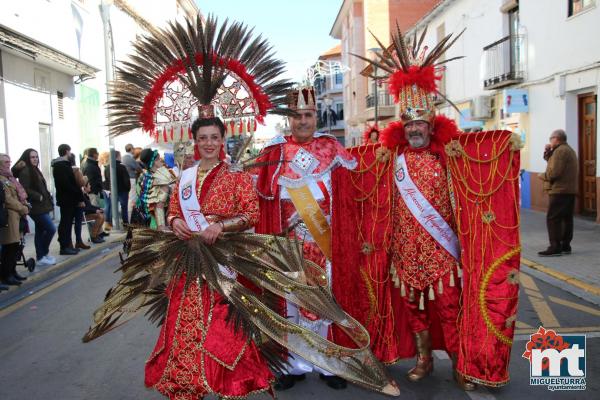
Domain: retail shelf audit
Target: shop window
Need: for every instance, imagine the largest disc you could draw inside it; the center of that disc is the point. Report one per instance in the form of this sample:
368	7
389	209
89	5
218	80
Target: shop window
577	6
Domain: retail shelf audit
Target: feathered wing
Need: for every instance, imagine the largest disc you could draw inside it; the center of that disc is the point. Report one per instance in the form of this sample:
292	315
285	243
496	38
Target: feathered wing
275	264
200	54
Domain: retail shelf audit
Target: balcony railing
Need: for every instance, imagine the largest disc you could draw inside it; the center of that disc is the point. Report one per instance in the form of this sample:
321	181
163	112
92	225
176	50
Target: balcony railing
504	62
384	99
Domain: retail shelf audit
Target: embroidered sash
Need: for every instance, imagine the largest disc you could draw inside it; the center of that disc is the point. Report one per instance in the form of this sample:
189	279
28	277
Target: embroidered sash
423	211
190	206
312	216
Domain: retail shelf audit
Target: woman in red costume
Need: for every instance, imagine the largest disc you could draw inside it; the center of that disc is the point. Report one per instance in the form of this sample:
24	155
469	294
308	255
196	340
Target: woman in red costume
198	352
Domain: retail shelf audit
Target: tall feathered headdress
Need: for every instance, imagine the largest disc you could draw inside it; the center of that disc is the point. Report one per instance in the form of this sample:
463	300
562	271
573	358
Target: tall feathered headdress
412	73
196	69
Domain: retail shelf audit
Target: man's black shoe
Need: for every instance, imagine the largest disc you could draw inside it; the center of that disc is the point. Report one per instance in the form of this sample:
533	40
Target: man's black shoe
285	382
98	240
3	287
550	252
19	277
68	251
11	281
104	234
566	249
334	382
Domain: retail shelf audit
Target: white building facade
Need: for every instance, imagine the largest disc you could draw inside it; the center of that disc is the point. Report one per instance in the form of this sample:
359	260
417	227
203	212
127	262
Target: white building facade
530	67
52	69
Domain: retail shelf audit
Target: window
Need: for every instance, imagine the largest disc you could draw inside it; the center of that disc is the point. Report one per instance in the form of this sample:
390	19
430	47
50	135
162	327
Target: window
577	6
338	78
61	107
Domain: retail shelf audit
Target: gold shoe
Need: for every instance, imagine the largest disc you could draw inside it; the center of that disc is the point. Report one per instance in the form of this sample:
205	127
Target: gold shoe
423	369
424	365
462	382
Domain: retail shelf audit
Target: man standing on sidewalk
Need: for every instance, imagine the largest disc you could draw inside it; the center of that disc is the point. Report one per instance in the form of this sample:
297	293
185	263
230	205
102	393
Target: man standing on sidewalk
134	170
560	182
68	197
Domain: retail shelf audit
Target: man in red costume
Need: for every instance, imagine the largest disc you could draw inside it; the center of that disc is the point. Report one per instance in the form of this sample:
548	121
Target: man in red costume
418	210
295	194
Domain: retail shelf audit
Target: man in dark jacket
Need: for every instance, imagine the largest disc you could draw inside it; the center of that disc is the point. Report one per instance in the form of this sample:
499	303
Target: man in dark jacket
123	185
68	197
90	169
560	182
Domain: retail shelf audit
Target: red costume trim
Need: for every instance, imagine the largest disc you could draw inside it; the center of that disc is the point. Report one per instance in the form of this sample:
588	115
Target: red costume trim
170	74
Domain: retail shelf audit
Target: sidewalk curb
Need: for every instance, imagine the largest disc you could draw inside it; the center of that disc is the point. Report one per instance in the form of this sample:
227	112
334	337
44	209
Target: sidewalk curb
97	249
49	275
562	277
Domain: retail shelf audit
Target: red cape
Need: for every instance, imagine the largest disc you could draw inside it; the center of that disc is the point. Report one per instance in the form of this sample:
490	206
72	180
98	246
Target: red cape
485	170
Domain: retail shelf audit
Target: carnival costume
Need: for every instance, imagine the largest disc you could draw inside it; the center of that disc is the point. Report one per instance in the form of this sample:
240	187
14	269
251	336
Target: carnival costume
153	188
420	219
217	303
295	197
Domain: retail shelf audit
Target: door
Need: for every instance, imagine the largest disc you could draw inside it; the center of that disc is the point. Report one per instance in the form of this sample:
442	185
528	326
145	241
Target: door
587	152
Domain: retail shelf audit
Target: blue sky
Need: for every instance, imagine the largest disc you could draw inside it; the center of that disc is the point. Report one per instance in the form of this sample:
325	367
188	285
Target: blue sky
298	30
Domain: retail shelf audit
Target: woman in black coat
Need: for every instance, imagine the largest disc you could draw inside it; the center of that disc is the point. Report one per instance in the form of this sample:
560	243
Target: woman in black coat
28	172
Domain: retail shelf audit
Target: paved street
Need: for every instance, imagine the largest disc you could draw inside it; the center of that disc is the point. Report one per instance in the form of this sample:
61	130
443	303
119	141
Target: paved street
42	356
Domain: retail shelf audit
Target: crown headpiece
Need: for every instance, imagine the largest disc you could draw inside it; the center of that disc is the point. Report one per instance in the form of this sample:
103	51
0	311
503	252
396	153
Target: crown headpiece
302	98
413	73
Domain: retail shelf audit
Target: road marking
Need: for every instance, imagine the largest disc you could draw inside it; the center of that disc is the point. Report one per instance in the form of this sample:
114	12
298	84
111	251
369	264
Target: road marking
13	307
532	293
523	325
540	306
563	277
574	305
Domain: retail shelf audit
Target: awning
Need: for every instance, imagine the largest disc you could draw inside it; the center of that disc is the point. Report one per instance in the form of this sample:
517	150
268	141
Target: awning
43	54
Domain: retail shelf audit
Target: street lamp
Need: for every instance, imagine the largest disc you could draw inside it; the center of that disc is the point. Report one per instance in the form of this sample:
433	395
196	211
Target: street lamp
328	102
108	62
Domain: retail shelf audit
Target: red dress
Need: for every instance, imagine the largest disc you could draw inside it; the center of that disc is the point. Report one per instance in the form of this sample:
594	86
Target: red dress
197	352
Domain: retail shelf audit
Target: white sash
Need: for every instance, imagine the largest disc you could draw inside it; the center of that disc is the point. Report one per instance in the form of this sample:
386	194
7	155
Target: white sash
423	211
190	206
189	201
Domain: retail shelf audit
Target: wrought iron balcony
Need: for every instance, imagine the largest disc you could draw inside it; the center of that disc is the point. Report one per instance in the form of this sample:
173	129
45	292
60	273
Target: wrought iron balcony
384	99
504	62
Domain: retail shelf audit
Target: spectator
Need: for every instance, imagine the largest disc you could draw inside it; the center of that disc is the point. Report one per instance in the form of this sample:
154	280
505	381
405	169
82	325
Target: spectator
137	153
91	170
68	197
78	224
134	170
560	182
28	172
103	161
95	214
123	186
15	202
